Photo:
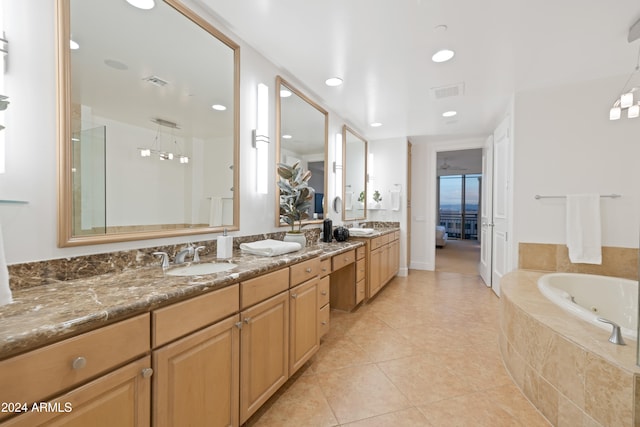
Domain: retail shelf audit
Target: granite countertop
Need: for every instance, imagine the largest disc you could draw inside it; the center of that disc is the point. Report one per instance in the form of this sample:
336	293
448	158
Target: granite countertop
44	314
377	232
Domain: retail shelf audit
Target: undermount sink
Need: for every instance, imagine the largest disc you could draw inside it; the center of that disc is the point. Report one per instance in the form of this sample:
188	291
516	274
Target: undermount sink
200	269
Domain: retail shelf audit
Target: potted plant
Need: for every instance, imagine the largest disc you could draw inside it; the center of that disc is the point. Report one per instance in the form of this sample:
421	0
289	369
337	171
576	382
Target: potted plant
361	199
377	198
295	199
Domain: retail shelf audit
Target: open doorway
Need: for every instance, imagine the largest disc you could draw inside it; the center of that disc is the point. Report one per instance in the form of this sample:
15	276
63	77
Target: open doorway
459	184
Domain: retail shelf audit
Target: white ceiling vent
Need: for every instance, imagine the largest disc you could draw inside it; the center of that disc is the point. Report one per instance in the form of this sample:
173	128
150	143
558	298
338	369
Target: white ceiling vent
155	80
448	91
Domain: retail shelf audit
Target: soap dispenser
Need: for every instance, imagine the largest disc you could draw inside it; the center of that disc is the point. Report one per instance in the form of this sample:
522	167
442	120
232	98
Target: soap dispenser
224	246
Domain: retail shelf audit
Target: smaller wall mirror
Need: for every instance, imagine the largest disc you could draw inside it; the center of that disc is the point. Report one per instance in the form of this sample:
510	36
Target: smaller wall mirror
301	136
354	175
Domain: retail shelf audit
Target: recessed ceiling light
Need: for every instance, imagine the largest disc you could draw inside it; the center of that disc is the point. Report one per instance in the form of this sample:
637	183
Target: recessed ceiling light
376	124
286	136
449	113
142	4
440	28
116	64
333	81
284	93
218	107
73	45
442	55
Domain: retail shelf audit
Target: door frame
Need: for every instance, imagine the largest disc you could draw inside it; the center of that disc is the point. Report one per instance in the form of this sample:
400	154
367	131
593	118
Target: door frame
433	148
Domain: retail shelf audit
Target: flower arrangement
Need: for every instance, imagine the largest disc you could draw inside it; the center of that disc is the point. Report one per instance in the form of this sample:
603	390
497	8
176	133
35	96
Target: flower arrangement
295	194
377	197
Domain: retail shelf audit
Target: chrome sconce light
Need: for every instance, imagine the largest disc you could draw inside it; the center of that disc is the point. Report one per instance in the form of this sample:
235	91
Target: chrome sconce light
260	137
626	101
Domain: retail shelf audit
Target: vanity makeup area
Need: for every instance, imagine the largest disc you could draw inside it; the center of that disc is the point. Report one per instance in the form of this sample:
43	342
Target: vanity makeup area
115	339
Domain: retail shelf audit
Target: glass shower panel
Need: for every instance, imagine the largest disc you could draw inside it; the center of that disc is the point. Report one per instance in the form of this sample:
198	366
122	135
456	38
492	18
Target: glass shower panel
89	181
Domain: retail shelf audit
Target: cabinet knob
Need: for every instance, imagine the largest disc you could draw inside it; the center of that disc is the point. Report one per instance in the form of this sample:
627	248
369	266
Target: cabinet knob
324	322
147	372
323	292
247	320
308	270
239	325
294	296
79	363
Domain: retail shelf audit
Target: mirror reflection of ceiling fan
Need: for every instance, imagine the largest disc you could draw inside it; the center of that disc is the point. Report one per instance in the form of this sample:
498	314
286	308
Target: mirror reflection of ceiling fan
447	166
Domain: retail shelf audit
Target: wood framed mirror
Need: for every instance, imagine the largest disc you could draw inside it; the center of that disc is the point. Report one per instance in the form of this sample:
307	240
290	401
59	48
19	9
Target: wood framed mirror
301	136
148	129
354	175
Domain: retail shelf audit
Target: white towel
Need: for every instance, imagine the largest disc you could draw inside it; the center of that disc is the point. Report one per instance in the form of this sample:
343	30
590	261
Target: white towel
215	212
348	200
395	200
5	290
270	247
361	231
583	228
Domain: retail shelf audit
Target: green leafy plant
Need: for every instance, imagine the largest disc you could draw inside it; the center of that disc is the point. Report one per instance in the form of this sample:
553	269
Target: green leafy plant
377	197
361	197
295	194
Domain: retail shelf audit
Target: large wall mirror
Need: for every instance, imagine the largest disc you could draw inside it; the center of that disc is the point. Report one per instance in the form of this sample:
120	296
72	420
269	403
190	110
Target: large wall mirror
354	175
148	123
301	136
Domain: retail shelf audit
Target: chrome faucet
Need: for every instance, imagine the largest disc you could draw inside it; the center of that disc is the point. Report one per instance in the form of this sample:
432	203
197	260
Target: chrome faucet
180	256
616	335
196	253
164	261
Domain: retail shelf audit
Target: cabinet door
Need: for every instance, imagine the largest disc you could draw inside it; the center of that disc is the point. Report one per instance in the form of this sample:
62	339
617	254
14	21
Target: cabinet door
120	398
304	338
375	269
197	378
264	359
394	257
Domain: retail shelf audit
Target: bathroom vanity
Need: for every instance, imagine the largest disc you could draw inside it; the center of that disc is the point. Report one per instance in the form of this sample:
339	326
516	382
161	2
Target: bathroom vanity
142	347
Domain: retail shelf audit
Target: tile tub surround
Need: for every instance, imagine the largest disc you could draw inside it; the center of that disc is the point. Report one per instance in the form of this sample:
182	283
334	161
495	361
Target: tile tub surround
565	366
44	314
616	262
58	270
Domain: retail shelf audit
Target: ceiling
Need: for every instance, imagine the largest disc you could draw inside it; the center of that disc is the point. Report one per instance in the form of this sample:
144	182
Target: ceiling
382	50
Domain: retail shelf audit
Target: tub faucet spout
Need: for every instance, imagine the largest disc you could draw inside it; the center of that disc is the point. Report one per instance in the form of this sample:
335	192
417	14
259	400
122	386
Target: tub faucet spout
616	335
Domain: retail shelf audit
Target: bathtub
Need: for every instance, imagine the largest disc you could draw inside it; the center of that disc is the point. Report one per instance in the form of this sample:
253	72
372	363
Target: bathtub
589	297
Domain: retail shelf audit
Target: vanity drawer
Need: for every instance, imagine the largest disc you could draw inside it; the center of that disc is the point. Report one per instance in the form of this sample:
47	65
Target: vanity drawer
325	320
185	317
360	291
323	291
379	241
304	271
343	259
360	252
325	267
361	267
259	289
42	373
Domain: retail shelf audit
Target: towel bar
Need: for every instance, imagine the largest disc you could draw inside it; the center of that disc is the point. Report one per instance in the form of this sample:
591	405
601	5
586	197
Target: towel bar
612	196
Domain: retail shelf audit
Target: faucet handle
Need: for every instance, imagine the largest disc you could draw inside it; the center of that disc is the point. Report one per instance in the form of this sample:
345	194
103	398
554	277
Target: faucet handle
616	335
164	262
196	254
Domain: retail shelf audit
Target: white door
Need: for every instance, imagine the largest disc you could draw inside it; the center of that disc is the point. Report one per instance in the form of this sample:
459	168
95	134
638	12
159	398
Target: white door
486	212
501	168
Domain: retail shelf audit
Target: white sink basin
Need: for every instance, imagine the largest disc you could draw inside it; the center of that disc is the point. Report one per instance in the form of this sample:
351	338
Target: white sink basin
200	269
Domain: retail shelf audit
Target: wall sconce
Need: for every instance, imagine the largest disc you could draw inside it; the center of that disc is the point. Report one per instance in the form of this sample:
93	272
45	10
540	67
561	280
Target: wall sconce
626	101
337	164
261	139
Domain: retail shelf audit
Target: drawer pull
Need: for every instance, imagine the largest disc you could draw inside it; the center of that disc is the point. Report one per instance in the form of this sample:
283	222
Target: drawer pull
147	372
79	363
323	292
308	270
324	322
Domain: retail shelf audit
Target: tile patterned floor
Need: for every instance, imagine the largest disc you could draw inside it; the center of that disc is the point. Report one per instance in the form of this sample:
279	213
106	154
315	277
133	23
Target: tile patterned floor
424	352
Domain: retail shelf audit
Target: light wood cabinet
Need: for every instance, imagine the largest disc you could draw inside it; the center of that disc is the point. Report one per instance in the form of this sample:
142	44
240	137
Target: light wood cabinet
197	378
382	255
119	398
264	355
304	324
324	297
